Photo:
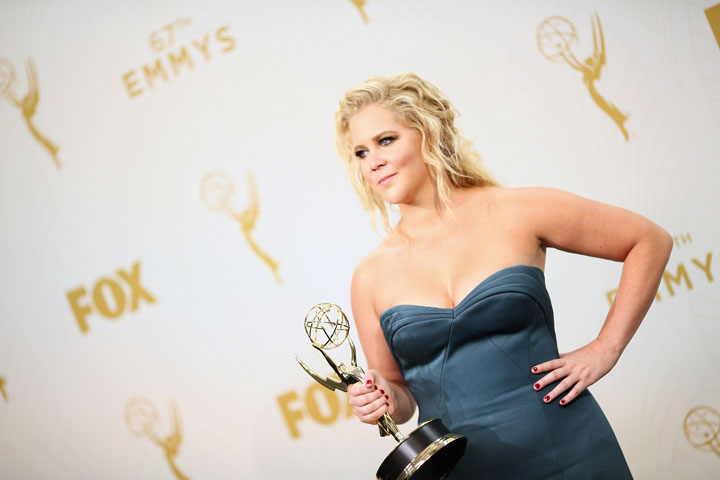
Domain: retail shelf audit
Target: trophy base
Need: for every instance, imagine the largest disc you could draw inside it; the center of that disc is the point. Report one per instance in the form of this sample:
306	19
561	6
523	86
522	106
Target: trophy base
428	453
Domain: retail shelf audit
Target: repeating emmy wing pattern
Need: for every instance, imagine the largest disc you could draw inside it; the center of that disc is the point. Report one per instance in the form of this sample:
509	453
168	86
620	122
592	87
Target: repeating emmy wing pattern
27	103
171	204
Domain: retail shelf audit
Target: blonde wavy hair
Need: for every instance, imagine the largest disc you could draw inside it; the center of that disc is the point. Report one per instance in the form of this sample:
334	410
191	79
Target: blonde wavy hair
449	156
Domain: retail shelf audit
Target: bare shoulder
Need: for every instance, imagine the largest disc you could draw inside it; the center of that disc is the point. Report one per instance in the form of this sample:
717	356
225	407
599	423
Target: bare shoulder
540	205
524	197
578	224
535	206
512	206
371	268
362	279
366	286
508	197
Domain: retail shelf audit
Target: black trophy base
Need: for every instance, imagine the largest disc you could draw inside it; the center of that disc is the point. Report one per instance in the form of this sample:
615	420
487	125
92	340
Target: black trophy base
428	453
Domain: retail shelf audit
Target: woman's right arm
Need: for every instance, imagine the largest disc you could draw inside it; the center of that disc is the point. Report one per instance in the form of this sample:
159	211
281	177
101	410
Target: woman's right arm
384	389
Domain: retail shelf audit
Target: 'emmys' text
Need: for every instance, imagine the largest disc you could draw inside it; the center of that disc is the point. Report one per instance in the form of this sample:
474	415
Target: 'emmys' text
175	58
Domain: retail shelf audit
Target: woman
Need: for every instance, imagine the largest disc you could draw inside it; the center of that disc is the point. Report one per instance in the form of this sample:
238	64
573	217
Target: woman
451	307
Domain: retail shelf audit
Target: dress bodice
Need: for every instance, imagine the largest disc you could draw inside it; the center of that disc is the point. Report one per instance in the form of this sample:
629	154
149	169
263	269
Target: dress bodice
471	366
438	349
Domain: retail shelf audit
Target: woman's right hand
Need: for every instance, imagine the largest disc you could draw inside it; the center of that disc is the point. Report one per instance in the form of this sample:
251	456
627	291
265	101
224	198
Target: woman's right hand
371	398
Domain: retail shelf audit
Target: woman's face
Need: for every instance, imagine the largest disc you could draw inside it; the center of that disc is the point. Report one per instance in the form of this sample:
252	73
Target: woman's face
389	154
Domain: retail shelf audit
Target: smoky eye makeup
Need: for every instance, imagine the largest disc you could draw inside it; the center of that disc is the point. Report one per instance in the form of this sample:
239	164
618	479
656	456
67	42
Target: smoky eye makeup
382	139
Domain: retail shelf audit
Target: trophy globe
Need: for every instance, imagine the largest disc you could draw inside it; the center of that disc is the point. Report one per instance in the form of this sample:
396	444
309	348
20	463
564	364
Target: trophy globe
702	428
141	417
7	75
326	326
216	190
556	37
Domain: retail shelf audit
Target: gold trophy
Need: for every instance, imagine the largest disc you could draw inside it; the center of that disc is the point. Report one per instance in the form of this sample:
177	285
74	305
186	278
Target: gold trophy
429	452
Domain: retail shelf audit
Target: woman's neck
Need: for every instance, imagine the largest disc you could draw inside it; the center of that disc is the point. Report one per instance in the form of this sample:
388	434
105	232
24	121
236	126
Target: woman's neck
422	218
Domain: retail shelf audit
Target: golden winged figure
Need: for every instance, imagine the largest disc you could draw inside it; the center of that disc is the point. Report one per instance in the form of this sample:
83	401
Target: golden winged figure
360	5
142	418
2	389
555	38
216	190
28	103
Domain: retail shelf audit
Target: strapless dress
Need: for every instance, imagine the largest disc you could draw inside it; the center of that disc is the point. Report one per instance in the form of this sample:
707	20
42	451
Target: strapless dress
470	366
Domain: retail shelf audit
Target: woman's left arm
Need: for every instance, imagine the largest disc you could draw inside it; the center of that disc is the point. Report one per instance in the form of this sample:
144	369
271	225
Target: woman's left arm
575	224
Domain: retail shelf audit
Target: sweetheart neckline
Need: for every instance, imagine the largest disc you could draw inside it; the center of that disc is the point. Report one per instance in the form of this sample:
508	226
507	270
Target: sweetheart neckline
469	294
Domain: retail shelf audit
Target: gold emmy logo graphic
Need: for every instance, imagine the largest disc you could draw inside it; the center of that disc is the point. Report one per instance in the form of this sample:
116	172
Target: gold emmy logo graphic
216	190
28	103
360	5
141	418
2	389
713	16
702	429
556	37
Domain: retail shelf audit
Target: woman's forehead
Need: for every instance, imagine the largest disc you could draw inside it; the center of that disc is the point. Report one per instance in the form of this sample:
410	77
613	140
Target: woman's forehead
372	119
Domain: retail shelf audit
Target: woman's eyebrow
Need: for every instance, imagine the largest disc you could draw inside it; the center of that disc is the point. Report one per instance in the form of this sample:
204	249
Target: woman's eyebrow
377	137
382	134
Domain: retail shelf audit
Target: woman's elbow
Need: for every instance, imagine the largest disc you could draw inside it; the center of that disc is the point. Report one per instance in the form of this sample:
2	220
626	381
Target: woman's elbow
663	243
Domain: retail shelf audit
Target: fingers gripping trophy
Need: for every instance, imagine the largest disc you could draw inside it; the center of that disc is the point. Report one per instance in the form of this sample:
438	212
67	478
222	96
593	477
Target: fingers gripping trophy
429	452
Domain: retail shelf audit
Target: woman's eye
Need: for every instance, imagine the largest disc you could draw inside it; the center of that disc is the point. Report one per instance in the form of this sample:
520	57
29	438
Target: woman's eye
361	153
386	141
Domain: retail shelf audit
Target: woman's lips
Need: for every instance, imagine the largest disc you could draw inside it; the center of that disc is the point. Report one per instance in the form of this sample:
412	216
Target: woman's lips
385	180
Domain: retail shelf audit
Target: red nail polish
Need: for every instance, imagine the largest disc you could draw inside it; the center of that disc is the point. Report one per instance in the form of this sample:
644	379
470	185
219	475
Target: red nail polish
537	386
368	383
387	398
562	402
547	398
382	392
387	404
534	369
375	386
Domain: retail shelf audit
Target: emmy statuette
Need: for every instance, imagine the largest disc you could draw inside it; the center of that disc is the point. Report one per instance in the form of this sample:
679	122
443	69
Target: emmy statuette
427	453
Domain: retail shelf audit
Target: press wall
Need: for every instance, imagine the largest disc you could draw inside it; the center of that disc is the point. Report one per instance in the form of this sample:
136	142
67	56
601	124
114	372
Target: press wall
171	206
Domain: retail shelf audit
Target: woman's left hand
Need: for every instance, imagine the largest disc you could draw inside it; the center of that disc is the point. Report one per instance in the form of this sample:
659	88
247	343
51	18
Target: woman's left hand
577	369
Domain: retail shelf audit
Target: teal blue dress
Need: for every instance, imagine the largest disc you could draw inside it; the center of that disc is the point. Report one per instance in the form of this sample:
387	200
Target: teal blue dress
470	366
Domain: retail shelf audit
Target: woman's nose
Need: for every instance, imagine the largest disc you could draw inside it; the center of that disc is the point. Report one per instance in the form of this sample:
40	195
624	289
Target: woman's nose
377	160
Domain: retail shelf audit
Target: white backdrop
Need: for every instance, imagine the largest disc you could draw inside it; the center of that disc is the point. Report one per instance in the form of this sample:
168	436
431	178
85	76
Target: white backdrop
152	304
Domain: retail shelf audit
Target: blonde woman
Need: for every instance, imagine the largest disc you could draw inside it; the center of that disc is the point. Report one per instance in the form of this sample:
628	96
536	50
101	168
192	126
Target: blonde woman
451	307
